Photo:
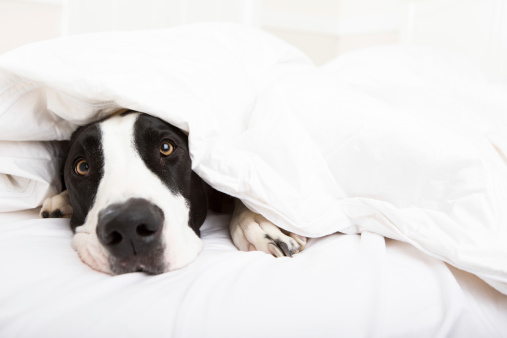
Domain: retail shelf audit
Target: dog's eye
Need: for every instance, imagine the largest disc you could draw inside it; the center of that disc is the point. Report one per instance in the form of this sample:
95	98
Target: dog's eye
82	167
166	148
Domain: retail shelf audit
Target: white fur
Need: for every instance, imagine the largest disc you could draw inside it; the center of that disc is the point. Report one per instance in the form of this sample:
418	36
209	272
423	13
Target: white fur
249	229
126	176
59	202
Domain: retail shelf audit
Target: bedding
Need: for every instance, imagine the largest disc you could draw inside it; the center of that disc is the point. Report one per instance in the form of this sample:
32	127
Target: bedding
341	286
400	149
29	173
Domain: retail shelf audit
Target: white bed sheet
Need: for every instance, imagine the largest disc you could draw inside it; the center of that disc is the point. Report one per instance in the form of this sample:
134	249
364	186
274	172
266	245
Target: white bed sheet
341	286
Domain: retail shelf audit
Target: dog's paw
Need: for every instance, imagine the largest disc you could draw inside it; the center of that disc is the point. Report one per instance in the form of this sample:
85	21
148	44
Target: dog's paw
251	231
57	206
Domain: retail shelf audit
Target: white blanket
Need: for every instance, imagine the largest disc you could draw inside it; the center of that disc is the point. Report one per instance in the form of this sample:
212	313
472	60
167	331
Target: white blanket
404	143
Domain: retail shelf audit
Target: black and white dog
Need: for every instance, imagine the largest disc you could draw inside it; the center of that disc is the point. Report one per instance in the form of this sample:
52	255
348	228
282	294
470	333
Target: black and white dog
136	205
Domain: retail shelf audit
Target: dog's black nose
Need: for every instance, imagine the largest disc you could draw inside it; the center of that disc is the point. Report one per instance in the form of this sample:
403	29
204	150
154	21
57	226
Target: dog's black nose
131	229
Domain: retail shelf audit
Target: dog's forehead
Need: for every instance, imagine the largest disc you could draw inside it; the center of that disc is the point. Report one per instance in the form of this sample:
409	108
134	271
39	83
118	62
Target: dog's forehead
119	124
153	125
135	121
92	130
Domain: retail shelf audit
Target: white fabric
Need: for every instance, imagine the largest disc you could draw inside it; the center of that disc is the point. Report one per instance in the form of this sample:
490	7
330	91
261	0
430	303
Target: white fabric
405	144
342	286
29	173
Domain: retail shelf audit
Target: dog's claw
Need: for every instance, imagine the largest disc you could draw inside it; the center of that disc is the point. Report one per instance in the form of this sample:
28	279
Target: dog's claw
285	248
57	206
56	214
275	250
301	241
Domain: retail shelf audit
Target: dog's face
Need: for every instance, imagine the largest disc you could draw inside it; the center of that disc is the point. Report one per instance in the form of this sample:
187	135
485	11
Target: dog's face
137	203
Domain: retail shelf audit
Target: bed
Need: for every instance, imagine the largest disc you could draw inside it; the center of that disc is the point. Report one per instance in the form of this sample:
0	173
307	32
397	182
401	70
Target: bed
390	159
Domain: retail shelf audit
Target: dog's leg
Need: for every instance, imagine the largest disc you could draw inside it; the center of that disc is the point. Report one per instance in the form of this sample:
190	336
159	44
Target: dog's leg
251	231
57	206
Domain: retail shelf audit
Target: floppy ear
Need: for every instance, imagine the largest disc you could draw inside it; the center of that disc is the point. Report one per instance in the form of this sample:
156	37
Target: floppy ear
220	202
198	202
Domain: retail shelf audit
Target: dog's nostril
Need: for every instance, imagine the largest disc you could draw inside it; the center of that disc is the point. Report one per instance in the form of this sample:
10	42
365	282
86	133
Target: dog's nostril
144	231
114	238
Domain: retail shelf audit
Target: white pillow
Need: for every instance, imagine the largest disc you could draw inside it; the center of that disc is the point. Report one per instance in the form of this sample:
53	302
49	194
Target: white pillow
29	172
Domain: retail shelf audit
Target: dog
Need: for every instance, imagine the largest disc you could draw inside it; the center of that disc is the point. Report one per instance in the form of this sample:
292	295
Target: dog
135	205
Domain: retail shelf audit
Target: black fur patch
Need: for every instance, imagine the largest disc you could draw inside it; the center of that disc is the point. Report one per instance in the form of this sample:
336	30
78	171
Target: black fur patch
174	170
85	144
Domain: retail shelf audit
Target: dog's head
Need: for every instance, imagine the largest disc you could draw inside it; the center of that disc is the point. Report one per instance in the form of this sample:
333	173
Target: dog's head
137	203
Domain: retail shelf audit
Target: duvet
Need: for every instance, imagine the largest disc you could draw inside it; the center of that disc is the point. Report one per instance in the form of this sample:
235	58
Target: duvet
404	142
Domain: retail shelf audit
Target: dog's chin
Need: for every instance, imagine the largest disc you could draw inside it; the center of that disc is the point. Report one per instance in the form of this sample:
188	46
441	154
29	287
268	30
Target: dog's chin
96	257
150	268
157	262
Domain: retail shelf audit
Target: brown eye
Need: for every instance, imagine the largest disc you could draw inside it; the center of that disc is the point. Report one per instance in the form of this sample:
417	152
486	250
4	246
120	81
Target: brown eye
82	167
166	148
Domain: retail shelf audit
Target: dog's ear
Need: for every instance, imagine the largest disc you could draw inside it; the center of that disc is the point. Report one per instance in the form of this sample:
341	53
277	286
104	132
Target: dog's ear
198	202
65	149
220	202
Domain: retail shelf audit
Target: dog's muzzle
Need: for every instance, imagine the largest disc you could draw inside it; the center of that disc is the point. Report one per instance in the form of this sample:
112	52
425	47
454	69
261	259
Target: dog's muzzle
132	233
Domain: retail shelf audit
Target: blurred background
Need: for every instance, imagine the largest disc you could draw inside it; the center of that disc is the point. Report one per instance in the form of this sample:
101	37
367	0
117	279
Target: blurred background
323	29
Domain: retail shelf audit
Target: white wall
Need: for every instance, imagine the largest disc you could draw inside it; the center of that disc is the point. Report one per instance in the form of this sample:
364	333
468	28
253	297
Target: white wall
24	22
321	28
327	28
475	27
82	16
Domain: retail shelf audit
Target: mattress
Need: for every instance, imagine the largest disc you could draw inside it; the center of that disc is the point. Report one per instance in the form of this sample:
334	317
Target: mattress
341	286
